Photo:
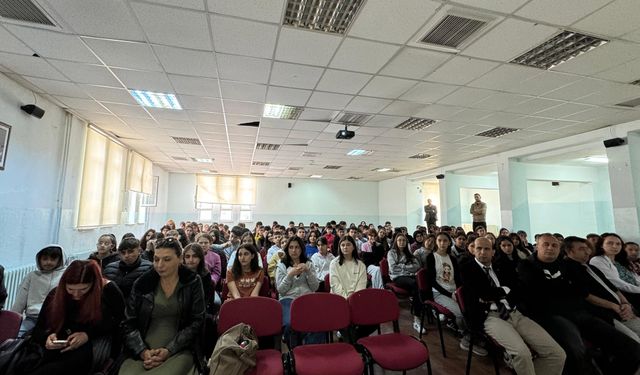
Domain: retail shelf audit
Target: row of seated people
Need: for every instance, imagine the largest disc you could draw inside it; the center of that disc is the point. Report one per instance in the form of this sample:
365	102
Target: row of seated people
295	276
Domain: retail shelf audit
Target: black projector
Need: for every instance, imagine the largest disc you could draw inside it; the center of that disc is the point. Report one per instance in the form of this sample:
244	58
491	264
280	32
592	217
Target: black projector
345	134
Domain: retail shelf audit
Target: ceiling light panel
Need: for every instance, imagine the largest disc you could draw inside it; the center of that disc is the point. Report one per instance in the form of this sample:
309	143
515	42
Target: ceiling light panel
558	49
286	112
359	152
352	118
202	160
260	163
330	16
332	166
496	132
155	99
25	11
420	156
316	176
415	123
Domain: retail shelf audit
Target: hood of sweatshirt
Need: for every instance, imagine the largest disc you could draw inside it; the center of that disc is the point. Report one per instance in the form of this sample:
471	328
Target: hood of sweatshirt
52	250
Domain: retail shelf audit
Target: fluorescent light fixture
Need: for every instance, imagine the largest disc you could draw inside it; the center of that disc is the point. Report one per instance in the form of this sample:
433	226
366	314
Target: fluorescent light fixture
358	152
316	176
155	99
202	160
280	111
602	159
382	169
329	16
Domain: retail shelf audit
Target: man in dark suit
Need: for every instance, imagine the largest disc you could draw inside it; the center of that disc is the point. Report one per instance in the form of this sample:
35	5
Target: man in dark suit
492	306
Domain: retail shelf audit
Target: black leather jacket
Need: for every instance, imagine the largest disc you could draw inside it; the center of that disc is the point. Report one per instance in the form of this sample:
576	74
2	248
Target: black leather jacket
190	316
125	275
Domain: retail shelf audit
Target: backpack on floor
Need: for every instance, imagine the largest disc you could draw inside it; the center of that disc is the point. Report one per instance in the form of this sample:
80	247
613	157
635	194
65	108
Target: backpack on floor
235	351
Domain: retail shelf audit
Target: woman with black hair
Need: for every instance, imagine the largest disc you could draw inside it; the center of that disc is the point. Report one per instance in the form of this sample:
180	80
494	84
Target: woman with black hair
194	259
347	274
149	235
245	277
402	269
164	317
506	261
184	239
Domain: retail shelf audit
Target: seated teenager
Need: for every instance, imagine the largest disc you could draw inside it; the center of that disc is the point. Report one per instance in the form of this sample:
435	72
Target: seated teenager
37	284
632	251
604	299
149	235
506	261
212	261
491	307
83	308
164	317
608	247
322	261
245	277
245	239
193	258
347	273
312	244
372	253
105	251
444	277
295	276
551	301
130	266
402	271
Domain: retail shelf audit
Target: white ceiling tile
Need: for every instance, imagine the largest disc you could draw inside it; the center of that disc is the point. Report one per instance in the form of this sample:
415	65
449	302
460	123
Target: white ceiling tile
500	101
127	110
125	54
461	70
81	104
402	108
427	92
598	59
627	72
436	112
387	87
197	86
147	81
243	91
8	43
615	19
633	36
564	12
284	95
54	44
466	96
243	108
109	94
242	37
563	110
268	11
612	93
532	106
367	105
342	82
186	61
57	87
190	4
365	130
327	100
543	83
243	68
108	19
505	77
312	114
385	121
577	89
29	65
140	124
500	119
503	6
292	75
469	115
85	73
361	55
200	104
306	47
402	18
414	63
509	39
165	115
174	27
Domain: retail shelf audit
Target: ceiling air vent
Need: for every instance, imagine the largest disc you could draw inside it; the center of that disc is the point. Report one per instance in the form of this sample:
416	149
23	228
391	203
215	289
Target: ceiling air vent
23	10
186	141
452	31
420	156
415	123
332	166
329	16
558	49
352	118
496	132
260	163
179	158
310	154
630	103
267	147
257	173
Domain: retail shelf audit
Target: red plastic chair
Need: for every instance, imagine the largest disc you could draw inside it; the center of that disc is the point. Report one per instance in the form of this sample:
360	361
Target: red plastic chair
264	315
384	271
9	325
322	312
327	284
392	351
431	306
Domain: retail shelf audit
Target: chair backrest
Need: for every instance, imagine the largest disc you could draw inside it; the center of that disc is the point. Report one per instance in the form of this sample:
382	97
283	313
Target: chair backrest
263	314
460	299
373	306
9	325
384	270
265	289
421	280
319	312
327	284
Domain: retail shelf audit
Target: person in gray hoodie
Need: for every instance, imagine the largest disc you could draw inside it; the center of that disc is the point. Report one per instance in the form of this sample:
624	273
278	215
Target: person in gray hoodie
37	284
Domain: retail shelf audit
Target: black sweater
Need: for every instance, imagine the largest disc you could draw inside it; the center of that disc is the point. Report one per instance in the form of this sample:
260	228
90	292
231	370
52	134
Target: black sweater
125	275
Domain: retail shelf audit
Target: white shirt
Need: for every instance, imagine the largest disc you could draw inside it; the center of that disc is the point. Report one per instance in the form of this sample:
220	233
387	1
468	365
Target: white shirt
604	264
321	264
506	289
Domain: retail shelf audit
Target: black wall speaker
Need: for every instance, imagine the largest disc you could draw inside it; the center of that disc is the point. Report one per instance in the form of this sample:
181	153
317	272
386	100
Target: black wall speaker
555	183
613	142
440	177
289	185
33	110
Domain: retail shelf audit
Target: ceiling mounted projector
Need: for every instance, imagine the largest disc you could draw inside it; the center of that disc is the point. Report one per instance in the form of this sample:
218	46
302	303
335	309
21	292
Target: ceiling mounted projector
345	134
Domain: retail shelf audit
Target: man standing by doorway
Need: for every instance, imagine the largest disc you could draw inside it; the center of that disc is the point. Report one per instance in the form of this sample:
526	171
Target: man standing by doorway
430	213
479	212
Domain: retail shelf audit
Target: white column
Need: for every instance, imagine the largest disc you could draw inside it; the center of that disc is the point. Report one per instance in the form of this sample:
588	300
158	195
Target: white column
624	187
504	187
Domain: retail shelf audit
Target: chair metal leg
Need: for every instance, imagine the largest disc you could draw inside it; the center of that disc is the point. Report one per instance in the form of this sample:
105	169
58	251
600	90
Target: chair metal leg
429	366
421	322
468	371
439	323
494	356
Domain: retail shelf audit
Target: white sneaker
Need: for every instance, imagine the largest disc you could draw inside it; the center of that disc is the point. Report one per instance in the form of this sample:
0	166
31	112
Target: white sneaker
477	350
442	317
416	326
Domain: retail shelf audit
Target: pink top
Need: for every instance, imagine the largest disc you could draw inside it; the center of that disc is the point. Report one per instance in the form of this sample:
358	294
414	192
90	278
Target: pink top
214	265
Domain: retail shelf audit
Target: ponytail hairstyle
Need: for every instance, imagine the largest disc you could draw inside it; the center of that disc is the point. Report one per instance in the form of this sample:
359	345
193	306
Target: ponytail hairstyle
90	307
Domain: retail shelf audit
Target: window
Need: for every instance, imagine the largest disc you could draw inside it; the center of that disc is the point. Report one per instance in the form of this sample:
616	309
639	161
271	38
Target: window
205	212
229	190
136	213
102	181
246	214
226	213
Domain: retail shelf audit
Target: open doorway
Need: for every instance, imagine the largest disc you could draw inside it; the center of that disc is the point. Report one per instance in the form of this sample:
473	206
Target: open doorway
431	190
489	196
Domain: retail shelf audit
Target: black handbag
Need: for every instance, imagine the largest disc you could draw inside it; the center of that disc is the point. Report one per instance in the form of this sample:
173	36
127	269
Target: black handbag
20	354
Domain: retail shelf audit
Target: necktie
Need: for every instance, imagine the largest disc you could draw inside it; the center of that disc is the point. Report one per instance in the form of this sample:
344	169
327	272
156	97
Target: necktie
502	309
